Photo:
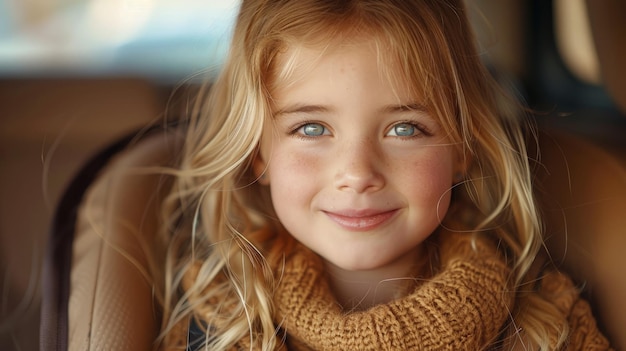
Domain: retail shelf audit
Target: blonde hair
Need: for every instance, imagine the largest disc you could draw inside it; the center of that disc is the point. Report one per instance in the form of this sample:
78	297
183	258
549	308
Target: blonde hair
221	221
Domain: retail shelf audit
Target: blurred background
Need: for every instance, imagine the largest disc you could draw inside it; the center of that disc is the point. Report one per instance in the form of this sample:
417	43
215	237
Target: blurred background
74	76
156	39
77	74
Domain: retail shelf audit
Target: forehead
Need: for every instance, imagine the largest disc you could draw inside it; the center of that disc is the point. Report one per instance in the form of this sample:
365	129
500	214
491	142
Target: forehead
298	61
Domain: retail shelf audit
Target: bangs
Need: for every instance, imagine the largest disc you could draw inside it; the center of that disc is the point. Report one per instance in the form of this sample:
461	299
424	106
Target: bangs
413	51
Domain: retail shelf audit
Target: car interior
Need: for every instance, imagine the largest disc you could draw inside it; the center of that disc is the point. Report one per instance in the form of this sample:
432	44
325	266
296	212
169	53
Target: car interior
81	79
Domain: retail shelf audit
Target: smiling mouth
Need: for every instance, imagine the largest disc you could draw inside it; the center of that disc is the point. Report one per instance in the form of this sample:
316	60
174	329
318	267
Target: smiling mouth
361	222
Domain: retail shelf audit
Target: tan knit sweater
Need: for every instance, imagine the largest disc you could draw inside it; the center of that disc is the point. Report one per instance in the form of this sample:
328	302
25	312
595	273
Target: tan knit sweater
463	307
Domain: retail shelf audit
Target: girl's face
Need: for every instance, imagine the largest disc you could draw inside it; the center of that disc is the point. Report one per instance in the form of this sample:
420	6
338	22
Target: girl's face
359	171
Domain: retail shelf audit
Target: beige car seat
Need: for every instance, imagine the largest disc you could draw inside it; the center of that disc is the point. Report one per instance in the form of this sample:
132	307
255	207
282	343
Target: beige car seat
98	288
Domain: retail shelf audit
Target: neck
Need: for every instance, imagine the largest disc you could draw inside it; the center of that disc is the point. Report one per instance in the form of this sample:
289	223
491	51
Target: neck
360	290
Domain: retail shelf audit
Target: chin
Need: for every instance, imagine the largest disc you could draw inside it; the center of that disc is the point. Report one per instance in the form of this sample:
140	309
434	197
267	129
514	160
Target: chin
355	265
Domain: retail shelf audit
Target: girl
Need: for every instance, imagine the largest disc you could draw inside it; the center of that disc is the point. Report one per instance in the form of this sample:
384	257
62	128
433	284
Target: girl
353	183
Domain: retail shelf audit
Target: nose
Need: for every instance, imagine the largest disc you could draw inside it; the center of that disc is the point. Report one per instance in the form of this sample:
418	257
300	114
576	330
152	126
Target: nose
358	168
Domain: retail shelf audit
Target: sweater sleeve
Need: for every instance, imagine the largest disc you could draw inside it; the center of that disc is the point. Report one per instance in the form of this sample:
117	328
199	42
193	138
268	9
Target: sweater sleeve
584	333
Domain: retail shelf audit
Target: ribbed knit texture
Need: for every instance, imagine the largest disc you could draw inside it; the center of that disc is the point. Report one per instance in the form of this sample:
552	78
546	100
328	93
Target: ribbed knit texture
462	308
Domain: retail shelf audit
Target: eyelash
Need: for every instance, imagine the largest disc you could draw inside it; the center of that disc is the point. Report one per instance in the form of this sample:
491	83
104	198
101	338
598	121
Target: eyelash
295	131
421	130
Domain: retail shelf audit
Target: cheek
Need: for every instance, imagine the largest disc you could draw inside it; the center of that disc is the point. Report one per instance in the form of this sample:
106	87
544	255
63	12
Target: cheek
429	179
292	177
291	167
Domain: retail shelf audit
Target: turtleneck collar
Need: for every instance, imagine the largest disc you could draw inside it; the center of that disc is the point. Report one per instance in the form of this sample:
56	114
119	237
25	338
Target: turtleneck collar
462	307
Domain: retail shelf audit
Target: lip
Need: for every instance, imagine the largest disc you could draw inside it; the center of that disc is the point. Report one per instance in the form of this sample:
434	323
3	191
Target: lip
361	220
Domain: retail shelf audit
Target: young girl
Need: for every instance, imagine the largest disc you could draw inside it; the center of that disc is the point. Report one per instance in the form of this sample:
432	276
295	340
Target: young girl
352	182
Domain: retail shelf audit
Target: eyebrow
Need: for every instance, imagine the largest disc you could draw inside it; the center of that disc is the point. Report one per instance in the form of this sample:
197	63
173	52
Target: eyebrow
410	107
304	108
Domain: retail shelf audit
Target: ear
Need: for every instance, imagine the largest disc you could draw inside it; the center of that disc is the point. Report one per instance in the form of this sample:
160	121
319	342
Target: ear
259	167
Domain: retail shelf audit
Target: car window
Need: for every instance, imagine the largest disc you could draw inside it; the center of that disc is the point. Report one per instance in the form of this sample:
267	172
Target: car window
160	39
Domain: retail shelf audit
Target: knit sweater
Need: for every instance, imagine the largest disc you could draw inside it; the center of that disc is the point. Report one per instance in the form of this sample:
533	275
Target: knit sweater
465	306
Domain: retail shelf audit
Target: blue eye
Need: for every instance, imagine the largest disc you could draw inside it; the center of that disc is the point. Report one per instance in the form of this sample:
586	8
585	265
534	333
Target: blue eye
402	130
313	129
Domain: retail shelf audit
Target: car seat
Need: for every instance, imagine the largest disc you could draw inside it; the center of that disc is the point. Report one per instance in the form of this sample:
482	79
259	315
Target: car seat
97	286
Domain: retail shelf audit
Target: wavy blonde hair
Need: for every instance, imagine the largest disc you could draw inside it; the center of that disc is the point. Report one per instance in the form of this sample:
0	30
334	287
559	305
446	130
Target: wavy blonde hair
221	222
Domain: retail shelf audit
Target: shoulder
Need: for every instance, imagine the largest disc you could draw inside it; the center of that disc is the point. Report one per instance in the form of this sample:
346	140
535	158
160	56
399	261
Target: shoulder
560	290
